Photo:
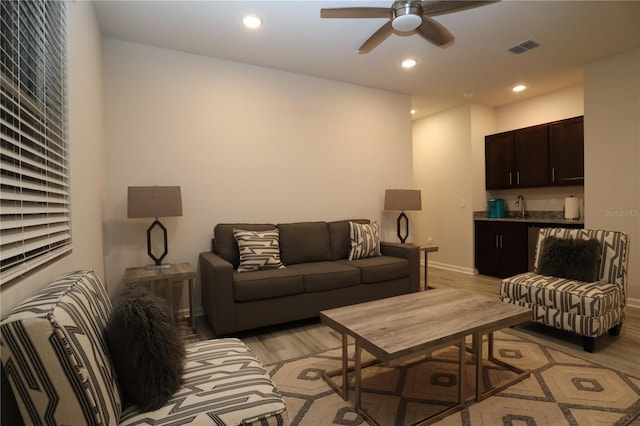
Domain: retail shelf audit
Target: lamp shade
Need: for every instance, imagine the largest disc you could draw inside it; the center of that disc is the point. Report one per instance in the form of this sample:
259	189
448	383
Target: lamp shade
154	201
402	199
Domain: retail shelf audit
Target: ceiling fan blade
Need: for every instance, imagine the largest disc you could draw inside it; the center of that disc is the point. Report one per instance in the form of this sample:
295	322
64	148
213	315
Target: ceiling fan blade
356	12
377	38
436	7
434	32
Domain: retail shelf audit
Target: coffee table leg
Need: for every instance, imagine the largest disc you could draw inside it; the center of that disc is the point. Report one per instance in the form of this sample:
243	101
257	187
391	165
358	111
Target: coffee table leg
462	348
477	339
358	373
520	373
491	346
345	367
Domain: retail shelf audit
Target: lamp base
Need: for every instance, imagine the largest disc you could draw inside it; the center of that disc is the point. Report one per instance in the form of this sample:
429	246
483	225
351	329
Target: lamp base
155	267
402	217
157	260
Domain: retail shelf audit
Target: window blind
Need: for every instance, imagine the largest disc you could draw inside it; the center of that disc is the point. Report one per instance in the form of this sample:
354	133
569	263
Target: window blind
35	217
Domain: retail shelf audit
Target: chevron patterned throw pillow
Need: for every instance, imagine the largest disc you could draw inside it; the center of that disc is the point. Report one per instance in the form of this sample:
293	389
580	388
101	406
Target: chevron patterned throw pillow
365	240
258	249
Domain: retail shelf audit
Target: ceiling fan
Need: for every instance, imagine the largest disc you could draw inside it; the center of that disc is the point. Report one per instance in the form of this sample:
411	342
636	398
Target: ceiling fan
406	16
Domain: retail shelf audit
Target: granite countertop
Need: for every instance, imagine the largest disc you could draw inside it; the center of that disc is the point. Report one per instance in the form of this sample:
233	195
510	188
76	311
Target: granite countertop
556	217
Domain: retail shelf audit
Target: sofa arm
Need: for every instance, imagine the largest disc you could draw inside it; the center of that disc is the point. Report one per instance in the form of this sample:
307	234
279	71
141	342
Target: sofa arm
409	252
216	284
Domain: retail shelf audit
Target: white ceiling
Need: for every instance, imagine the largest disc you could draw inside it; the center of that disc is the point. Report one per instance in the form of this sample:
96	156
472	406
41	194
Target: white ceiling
294	38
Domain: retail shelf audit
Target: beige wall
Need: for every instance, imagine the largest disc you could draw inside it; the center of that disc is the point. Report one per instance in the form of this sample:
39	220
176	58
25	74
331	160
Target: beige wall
484	123
554	106
448	163
610	102
245	143
447	150
87	158
612	153
173	118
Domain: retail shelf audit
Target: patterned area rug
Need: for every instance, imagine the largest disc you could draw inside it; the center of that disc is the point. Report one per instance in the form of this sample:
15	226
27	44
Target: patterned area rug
562	390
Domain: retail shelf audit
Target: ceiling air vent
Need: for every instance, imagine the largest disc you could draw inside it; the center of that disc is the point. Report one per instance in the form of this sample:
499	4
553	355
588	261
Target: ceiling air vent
525	46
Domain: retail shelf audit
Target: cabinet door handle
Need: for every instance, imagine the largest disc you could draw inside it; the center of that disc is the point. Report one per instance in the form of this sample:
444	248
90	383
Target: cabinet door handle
500	241
518	178
497	236
553	174
510	179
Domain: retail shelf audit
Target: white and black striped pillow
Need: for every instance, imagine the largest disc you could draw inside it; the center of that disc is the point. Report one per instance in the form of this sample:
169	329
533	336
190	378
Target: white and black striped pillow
365	240
258	249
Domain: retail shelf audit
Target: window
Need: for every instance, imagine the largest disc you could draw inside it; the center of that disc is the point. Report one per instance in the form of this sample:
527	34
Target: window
35	222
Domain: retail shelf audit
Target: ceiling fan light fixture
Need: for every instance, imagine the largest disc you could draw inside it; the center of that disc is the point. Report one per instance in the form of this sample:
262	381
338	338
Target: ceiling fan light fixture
407	16
406	23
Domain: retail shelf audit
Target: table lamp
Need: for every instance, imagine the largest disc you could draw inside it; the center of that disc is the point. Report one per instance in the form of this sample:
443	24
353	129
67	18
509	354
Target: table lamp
402	199
154	201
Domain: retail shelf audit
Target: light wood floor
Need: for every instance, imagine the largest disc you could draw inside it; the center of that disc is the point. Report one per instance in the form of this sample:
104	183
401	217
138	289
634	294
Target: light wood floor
288	341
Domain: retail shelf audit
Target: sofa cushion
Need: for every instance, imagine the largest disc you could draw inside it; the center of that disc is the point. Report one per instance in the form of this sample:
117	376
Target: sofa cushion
258	250
145	347
380	268
224	384
225	242
304	242
265	284
55	354
365	240
577	297
322	276
339	234
575	259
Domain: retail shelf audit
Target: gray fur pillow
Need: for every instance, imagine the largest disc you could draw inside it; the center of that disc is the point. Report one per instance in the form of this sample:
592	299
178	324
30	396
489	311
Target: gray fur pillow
146	349
575	259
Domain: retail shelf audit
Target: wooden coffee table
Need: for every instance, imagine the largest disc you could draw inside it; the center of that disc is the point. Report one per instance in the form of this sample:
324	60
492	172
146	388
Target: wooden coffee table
399	328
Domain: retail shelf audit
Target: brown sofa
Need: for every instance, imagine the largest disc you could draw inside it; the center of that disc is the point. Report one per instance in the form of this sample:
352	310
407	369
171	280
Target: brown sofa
317	275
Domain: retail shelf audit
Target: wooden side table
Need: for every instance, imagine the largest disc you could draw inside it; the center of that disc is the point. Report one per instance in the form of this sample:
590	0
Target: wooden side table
426	249
176	273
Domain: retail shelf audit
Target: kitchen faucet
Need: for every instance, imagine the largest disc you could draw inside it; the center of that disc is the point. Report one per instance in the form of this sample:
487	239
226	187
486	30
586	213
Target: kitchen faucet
520	203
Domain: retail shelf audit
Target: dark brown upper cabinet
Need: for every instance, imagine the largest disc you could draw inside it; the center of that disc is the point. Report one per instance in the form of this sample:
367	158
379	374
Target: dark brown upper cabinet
542	155
517	159
498	154
566	152
531	153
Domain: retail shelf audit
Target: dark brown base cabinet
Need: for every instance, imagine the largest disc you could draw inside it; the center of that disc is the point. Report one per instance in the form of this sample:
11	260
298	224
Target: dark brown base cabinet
501	248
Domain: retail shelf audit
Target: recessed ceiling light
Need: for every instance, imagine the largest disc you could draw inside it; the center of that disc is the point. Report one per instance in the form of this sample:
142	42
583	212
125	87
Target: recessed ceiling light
251	21
413	111
468	94
519	88
408	63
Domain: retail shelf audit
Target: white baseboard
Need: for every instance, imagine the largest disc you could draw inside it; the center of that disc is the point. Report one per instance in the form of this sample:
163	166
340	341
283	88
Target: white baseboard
453	268
634	303
184	312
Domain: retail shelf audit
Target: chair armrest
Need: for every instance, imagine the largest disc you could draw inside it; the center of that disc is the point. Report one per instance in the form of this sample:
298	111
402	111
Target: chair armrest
409	252
216	284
